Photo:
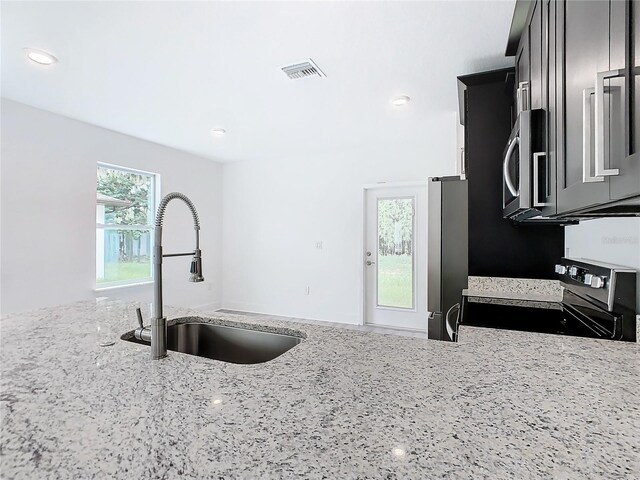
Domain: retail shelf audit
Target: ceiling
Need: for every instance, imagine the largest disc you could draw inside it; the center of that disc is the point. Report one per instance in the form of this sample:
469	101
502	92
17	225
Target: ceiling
169	72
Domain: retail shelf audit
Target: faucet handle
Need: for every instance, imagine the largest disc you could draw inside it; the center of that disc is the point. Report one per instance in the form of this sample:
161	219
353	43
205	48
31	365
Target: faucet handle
143	333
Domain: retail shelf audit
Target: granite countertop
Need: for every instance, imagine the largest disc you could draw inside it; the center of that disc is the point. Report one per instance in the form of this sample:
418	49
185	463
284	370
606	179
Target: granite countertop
514	288
341	404
515	302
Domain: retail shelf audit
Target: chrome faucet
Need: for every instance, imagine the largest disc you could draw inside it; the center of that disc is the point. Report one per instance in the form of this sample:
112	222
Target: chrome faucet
157	333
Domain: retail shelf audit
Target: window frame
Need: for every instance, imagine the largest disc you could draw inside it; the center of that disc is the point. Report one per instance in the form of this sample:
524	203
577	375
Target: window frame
155	196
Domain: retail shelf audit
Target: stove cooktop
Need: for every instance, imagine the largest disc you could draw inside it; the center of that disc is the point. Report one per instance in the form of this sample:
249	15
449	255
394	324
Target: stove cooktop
573	316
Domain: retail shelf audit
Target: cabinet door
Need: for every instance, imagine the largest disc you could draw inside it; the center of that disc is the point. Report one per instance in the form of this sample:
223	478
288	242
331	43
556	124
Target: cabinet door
545	183
522	64
535	57
623	98
582	50
633	160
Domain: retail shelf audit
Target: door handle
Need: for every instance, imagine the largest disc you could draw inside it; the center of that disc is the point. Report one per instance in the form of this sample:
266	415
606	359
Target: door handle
369	263
505	166
451	330
536	179
599	112
586	138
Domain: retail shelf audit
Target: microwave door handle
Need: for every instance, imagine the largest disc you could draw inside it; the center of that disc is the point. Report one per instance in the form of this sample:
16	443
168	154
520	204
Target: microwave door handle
505	166
586	137
536	179
599	113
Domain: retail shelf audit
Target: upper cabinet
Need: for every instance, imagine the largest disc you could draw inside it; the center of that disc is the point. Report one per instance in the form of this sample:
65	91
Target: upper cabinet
582	50
529	60
533	73
580	64
622	98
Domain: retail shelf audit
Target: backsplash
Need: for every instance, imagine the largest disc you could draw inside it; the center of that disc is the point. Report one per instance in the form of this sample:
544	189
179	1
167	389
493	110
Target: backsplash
522	287
612	240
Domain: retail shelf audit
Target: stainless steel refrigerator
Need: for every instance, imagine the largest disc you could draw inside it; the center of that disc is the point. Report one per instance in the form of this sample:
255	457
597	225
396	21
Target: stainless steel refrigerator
448	252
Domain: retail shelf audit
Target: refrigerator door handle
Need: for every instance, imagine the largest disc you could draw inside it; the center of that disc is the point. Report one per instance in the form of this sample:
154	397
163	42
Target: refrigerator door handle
451	330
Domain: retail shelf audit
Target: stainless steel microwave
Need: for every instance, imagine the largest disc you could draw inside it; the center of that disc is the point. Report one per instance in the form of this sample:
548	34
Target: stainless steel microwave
524	167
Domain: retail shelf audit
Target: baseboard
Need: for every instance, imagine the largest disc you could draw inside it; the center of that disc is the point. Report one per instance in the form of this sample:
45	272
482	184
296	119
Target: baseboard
209	306
394	327
347	319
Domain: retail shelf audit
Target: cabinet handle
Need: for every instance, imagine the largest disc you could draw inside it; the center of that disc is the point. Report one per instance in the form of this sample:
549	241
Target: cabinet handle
599	112
505	167
586	137
536	179
451	329
522	96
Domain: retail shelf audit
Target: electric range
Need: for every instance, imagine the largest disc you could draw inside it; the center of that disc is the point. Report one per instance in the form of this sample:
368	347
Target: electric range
599	301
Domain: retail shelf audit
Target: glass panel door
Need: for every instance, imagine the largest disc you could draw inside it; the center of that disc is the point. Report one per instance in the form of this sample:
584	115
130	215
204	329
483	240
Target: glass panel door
395	272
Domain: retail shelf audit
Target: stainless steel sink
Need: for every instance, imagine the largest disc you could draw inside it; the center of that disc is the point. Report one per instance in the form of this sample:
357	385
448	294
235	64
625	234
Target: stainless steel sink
228	344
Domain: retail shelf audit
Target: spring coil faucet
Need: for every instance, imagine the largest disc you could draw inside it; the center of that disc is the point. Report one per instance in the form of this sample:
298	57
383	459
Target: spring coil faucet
157	332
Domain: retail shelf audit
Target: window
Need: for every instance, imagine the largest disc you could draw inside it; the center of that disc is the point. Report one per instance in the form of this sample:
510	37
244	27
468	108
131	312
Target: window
395	252
125	207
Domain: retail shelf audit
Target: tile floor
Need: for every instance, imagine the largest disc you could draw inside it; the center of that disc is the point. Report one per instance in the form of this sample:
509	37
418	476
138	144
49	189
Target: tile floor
361	328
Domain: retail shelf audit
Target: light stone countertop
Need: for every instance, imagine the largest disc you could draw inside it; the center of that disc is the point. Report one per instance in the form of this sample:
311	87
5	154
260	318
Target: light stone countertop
341	404
514	288
516	302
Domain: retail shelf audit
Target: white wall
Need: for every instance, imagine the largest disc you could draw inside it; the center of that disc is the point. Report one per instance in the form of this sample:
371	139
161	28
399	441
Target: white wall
275	212
48	202
612	240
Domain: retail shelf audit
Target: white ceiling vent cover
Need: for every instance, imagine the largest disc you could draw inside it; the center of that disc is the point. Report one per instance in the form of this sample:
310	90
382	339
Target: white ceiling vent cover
303	70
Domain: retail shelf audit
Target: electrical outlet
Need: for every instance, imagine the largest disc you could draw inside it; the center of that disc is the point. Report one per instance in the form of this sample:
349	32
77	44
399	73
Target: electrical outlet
319	245
307	290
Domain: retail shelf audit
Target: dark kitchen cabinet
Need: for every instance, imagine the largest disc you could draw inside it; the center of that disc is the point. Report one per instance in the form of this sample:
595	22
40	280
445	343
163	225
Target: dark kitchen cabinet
532	67
623	125
632	161
597	159
580	60
529	64
497	247
523	76
535	58
529	60
582	50
547	190
544	174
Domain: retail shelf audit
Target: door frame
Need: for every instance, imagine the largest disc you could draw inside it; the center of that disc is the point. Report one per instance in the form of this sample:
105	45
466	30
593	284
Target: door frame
363	232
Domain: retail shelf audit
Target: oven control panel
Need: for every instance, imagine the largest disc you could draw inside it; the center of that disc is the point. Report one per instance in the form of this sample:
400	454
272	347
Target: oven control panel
598	281
594	281
582	275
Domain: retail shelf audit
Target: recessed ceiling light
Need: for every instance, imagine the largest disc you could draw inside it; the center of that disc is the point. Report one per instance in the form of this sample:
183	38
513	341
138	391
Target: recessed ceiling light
40	56
218	132
398	452
400	100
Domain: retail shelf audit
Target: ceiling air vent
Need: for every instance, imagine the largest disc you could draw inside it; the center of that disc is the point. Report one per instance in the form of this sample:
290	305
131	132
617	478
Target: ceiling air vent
303	70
